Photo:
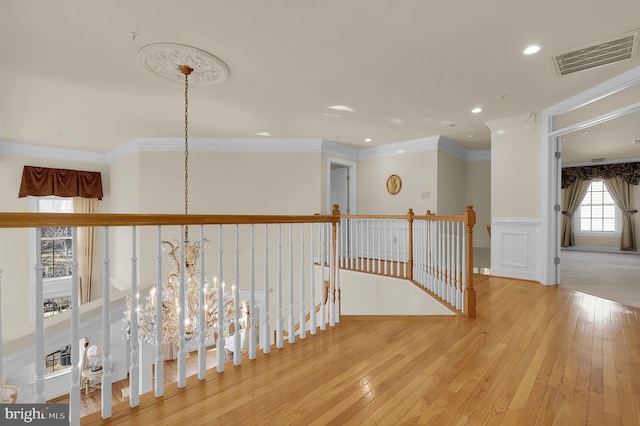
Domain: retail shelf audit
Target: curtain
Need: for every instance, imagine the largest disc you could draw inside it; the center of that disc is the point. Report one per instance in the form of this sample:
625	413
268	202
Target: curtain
41	181
571	198
621	193
629	172
86	242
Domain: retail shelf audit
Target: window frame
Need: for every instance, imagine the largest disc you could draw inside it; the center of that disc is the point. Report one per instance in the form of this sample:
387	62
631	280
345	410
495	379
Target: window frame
617	216
52	288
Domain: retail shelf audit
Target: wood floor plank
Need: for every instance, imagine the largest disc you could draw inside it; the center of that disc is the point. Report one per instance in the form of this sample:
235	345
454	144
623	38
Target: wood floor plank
534	355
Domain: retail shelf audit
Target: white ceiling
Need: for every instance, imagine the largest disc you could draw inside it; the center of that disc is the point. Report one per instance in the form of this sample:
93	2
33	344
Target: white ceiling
70	76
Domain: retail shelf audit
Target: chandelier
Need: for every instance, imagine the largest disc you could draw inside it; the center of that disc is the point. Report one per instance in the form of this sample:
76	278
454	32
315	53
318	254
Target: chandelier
155	58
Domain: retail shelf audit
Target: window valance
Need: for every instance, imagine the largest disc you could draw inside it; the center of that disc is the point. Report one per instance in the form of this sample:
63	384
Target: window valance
629	172
41	181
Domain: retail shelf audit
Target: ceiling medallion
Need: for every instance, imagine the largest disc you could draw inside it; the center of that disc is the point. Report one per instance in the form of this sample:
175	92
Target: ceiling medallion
164	59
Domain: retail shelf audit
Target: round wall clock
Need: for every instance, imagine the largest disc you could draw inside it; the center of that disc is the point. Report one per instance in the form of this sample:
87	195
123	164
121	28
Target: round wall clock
394	184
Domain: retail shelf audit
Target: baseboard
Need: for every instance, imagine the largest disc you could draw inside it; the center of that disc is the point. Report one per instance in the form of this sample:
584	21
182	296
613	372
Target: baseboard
596	249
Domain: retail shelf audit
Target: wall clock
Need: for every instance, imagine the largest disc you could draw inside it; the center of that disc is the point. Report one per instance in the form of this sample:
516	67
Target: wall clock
394	184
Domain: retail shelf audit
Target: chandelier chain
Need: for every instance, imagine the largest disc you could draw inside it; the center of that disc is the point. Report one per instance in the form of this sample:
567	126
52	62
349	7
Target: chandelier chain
186	152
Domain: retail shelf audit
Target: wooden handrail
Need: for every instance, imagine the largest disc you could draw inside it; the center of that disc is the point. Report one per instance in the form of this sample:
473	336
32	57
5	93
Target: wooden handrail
43	220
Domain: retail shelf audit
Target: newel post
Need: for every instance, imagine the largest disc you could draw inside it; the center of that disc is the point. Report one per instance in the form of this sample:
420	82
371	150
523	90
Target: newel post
470	291
410	242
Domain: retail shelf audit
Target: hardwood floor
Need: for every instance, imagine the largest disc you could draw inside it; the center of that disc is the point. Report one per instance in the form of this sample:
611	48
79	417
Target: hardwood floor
534	355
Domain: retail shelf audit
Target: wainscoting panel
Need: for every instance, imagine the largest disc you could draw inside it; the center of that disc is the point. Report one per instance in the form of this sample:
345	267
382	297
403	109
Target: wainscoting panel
513	248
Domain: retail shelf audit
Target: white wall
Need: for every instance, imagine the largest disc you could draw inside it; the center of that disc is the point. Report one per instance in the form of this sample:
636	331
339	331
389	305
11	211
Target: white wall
515	196
419	174
232	182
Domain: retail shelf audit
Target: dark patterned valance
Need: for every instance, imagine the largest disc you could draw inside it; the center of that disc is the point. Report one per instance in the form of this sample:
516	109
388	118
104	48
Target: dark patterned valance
630	172
41	181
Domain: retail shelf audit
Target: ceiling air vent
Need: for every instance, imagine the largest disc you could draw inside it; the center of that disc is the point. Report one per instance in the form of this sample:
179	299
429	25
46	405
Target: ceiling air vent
597	55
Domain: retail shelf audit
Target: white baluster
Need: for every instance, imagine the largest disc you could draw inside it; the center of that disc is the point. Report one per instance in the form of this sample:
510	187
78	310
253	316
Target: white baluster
159	361
39	322
202	350
267	327
367	247
220	289
332	305
458	261
312	268
323	313
337	293
107	378
343	241
134	369
361	229
292	333
398	239
405	246
252	299
237	343
279	324
182	285
432	257
74	391
235	290
464	266
448	260
303	319
351	242
1	354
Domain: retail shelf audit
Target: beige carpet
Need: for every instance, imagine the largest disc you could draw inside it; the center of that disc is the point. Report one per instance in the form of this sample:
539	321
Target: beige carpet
607	275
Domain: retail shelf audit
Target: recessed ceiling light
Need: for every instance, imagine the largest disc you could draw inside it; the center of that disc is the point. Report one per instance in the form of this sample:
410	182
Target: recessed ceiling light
470	135
476	110
263	134
342	108
368	140
530	50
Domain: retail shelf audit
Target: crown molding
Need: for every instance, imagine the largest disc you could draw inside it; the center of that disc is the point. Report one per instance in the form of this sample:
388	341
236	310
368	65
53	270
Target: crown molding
452	148
515	124
136	145
39	151
415	145
340	150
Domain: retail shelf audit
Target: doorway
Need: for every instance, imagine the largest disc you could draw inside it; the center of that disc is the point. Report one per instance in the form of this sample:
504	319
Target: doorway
551	166
341	186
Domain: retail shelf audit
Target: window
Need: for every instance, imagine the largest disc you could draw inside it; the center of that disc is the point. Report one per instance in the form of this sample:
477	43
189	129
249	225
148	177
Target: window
56	255
58	360
598	212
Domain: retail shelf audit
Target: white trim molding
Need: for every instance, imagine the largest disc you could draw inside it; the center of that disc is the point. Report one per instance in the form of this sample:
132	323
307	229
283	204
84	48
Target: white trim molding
39	151
176	144
515	124
550	174
514	247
